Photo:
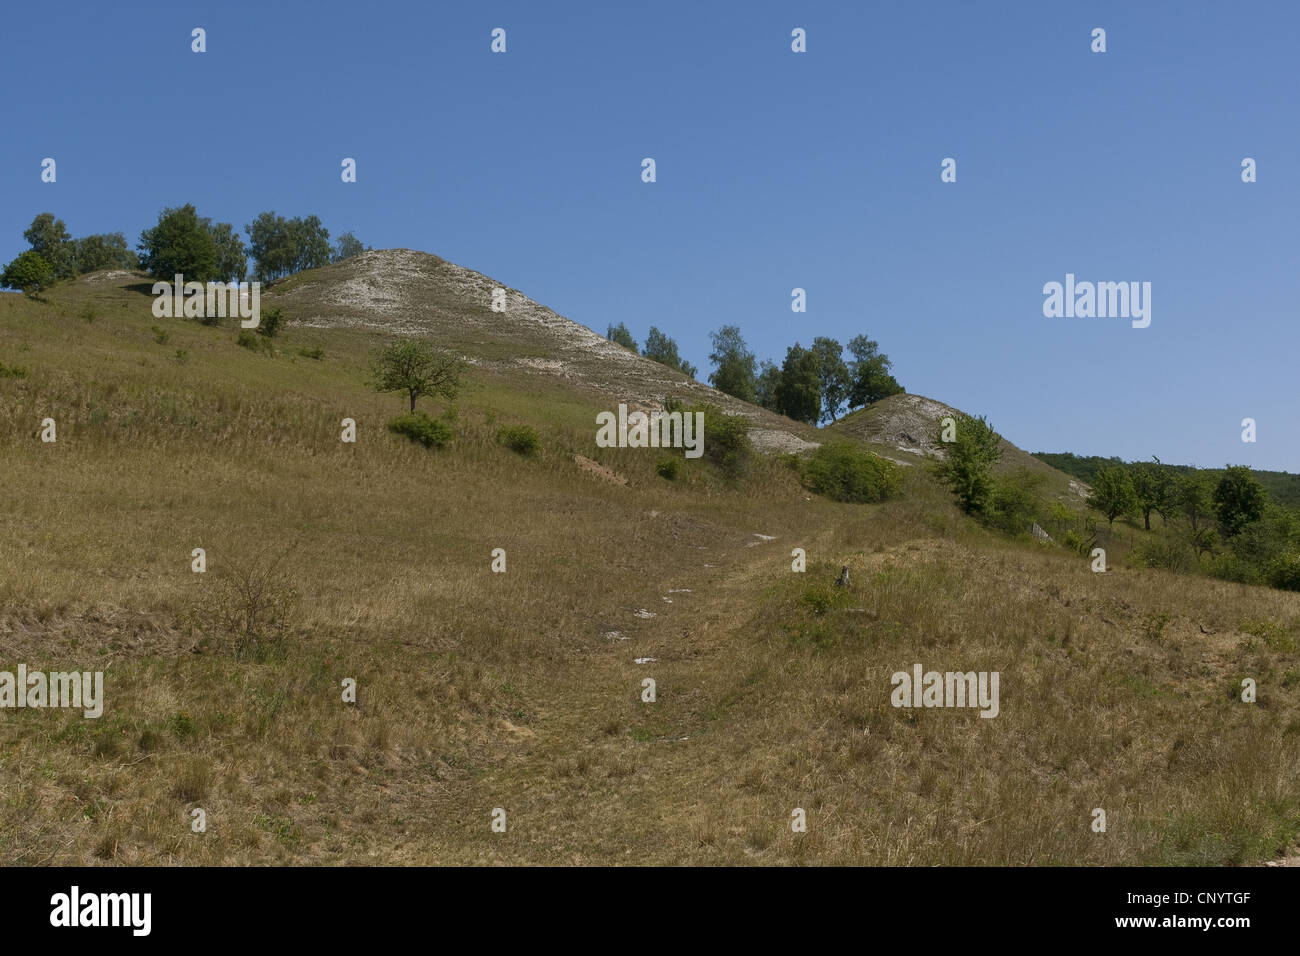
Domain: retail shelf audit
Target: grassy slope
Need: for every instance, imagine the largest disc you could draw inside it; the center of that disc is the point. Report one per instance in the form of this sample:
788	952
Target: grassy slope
479	690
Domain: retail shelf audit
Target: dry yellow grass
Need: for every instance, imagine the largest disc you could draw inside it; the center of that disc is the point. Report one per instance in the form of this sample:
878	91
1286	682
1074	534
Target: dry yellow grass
478	690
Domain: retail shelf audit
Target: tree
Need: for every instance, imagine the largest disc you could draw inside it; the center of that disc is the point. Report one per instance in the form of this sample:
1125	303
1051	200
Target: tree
620	334
1112	493
232	261
30	272
1238	500
282	246
50	239
664	351
769	377
183	243
967	466
799	392
1153	489
311	243
1191	496
348	246
103	251
832	376
869	377
734	364
418	368
271	246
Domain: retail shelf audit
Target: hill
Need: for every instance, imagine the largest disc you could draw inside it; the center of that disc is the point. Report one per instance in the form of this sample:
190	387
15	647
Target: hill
371	562
909	423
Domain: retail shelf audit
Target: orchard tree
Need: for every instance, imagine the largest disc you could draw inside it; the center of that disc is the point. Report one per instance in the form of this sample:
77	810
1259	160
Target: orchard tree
418	368
1153	488
1238	500
1112	493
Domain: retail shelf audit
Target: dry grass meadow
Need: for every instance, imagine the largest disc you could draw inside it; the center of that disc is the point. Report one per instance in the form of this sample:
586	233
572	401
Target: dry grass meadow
477	690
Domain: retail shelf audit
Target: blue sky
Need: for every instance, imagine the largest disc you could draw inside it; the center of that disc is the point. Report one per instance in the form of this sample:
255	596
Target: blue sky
775	170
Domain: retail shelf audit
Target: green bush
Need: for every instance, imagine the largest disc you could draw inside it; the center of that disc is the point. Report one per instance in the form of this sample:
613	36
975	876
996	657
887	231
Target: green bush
819	598
316	354
520	438
1165	552
12	371
269	322
247	339
845	472
1284	573
419	427
160	335
1013	504
726	440
668	468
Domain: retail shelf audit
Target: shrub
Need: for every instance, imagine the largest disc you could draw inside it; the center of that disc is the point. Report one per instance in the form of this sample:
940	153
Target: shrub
12	371
1284	573
160	335
1013	504
668	468
726	440
520	438
847	473
247	339
316	354
419	427
269	322
819	598
1165	552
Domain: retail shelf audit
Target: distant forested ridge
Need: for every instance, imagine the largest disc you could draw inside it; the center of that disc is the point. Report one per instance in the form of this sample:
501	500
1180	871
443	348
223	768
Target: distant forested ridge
1282	486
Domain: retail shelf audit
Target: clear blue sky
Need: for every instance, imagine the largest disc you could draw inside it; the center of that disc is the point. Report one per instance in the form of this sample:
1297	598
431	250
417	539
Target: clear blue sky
775	170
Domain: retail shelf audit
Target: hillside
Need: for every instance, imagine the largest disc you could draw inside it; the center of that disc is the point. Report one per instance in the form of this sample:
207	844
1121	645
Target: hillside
908	423
371	562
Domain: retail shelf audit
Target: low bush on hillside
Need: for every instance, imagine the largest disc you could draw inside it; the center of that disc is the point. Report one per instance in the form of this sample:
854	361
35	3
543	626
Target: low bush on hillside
726	439
846	473
316	354
1165	551
420	428
520	438
247	340
269	322
668	468
12	371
